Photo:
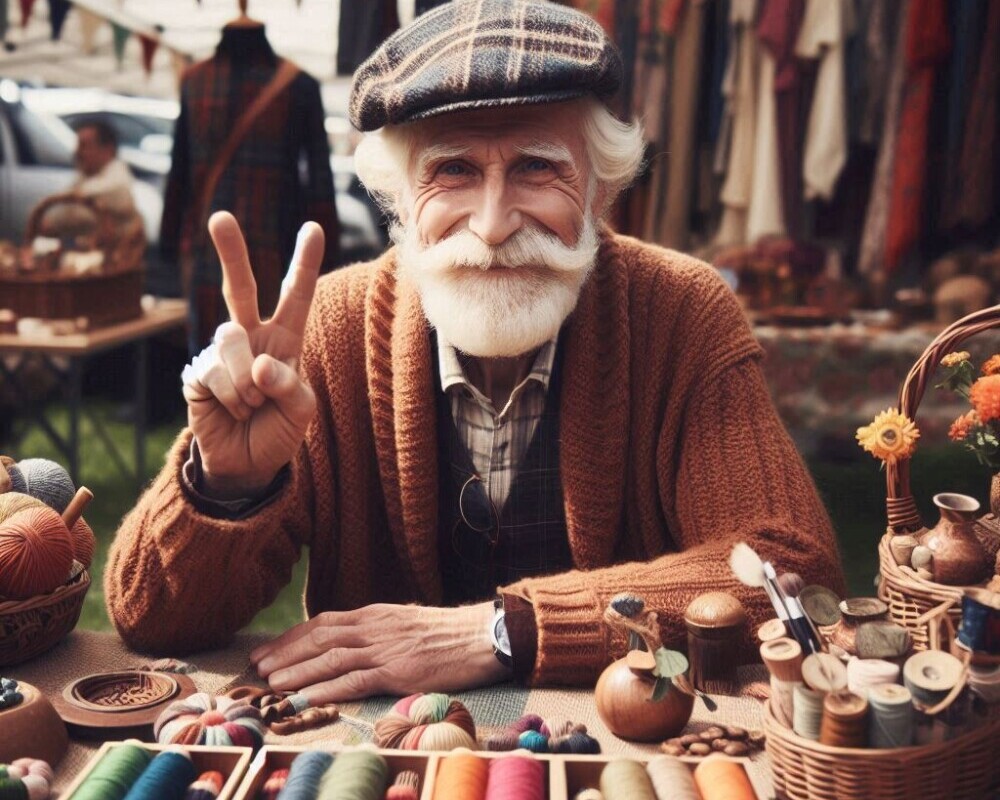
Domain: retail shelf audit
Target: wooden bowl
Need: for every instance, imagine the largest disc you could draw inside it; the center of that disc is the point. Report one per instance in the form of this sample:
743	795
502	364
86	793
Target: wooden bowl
32	729
30	627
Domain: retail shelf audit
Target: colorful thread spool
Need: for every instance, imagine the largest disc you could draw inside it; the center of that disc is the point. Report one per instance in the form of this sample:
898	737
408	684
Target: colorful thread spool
845	722
463	775
405	787
426	722
209	785
355	775
624	779
890	723
719	778
36	549
672	779
515	778
27	778
274	784
166	777
807	712
306	772
214	721
114	774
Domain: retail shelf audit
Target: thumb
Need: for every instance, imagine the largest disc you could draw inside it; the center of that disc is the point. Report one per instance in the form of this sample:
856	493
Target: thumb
282	384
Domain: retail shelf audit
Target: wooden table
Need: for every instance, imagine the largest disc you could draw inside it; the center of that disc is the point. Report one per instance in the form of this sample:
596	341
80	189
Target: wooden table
492	708
65	356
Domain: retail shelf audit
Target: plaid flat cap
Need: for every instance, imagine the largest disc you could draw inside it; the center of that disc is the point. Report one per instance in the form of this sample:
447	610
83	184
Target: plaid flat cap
480	54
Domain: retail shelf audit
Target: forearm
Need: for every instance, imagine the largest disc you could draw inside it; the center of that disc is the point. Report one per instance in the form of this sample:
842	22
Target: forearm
179	580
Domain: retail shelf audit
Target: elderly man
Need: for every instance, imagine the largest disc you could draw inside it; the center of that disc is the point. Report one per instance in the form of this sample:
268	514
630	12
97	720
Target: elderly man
511	416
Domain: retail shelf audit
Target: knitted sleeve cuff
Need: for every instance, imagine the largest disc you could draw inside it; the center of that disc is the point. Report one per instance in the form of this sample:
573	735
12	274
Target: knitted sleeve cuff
523	632
241	508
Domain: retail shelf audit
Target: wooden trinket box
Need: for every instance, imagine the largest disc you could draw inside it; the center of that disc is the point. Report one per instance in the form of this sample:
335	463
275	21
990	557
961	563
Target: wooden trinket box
232	762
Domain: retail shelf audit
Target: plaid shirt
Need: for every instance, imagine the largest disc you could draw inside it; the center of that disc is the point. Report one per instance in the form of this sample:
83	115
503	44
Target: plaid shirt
497	442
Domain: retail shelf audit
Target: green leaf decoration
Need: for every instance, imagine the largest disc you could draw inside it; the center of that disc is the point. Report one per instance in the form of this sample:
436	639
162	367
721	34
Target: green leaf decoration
669	663
660	689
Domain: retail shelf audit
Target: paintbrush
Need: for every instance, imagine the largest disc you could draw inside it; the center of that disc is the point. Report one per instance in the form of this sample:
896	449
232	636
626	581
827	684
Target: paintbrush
801	626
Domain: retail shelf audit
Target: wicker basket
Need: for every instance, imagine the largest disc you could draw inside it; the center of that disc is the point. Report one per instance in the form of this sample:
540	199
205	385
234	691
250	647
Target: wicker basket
30	627
912	600
112	295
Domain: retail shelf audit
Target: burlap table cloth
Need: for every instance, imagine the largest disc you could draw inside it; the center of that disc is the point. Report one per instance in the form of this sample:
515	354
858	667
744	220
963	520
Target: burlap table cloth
86	652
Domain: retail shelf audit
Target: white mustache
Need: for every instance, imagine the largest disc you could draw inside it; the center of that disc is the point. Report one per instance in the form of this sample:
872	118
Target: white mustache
527	247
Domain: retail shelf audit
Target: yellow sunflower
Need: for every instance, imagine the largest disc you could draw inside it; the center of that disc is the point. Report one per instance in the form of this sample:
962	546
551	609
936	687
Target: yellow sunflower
992	365
891	436
954	359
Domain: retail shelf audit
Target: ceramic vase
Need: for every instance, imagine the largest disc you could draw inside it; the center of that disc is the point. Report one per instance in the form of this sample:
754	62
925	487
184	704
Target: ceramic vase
959	557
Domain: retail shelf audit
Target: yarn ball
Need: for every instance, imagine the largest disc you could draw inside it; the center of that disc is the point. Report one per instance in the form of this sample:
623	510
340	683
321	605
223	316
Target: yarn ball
274	784
427	722
26	777
214	721
531	732
534	741
36	548
84	542
43	479
208	786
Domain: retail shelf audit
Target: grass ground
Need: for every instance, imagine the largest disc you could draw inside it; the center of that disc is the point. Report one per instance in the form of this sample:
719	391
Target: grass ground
853	491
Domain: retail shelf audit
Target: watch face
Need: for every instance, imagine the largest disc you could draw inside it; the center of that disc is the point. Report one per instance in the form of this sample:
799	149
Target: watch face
500	635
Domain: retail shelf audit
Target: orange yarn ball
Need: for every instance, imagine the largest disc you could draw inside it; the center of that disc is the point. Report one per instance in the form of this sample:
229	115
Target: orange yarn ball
36	548
84	542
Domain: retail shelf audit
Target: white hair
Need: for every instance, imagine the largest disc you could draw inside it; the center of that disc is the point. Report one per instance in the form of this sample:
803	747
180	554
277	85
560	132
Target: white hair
384	157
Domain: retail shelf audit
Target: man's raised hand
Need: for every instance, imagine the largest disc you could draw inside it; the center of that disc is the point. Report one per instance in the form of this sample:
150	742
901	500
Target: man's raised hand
247	406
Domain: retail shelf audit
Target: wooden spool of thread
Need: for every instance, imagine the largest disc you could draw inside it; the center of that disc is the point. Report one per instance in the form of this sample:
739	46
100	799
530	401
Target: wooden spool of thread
824	673
36	547
807	712
624	779
720	778
114	774
931	675
890	721
461	775
783	659
771	630
714	622
845	720
782	701
671	779
865	673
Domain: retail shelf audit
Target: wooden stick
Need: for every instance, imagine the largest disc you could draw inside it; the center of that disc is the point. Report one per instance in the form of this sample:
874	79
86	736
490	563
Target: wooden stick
76	506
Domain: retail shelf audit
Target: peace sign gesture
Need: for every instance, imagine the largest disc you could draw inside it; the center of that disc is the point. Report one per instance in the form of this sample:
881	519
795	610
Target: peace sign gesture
247	406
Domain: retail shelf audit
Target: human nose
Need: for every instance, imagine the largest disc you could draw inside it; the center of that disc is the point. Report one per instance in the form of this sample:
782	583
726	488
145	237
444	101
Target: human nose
495	218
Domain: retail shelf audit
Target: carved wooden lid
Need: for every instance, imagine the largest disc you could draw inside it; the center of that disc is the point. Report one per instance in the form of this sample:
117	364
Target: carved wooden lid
714	610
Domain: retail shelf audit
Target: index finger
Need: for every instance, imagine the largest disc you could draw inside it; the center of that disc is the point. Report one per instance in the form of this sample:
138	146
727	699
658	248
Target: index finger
238	285
300	283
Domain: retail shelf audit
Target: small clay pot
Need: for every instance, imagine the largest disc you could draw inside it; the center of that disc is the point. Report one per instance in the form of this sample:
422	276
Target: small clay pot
959	557
32	729
623	703
853	614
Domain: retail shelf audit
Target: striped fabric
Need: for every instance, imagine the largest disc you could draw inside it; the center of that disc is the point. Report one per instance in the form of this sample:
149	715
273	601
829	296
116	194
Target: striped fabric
483	53
496	440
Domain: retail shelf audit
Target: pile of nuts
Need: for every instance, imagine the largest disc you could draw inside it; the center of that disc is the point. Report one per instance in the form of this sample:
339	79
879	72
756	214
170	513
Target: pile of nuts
730	740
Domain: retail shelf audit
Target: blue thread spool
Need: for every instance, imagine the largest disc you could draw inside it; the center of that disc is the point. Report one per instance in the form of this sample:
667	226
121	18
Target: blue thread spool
166	778
304	775
980	628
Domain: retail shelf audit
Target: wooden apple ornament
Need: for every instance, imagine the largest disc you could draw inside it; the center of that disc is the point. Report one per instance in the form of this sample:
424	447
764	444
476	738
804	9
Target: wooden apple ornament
644	696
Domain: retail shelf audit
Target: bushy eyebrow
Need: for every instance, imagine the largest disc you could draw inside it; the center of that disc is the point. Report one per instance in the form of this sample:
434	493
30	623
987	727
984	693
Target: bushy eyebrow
439	152
548	151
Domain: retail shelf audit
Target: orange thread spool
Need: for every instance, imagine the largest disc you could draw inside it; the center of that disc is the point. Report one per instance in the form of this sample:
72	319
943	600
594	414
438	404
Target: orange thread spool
462	776
719	778
36	548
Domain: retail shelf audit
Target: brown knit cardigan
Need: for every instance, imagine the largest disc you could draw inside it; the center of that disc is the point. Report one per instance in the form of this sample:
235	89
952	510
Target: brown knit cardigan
671	453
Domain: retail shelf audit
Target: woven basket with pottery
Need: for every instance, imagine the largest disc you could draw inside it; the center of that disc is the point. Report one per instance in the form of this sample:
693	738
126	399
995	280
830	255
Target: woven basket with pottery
912	595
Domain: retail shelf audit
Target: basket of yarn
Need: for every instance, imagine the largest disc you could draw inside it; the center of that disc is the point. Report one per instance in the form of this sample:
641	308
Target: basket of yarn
26	778
426	722
45	550
215	721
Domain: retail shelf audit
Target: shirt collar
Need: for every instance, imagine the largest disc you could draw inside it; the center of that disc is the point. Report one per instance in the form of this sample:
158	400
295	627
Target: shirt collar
452	373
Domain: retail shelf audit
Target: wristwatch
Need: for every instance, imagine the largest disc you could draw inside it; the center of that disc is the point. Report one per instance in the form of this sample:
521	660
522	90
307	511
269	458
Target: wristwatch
499	637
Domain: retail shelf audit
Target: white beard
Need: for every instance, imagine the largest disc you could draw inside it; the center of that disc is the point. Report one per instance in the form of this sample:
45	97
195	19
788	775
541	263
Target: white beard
501	301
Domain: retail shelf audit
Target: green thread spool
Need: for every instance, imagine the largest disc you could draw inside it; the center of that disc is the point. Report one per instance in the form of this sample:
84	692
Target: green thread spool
623	779
355	775
807	712
890	723
114	774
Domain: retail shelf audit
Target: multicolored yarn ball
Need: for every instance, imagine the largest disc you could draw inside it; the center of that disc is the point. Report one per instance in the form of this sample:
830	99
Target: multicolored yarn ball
405	787
43	479
427	722
273	785
167	777
531	732
214	721
36	548
27	778
209	785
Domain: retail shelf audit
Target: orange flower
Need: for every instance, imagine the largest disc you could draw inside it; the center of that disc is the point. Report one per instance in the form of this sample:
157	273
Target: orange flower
961	427
985	397
992	365
891	436
954	359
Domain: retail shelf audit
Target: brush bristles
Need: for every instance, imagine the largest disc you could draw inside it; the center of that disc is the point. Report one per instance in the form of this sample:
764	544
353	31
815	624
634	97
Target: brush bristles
747	565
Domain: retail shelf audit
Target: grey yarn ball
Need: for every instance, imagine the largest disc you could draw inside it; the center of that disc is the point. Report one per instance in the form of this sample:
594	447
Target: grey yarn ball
45	480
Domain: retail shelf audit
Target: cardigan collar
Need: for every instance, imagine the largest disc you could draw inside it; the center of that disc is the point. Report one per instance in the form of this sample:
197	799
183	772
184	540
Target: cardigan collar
593	416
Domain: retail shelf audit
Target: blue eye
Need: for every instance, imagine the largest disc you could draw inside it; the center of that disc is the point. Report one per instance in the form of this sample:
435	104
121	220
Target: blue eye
537	165
452	168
